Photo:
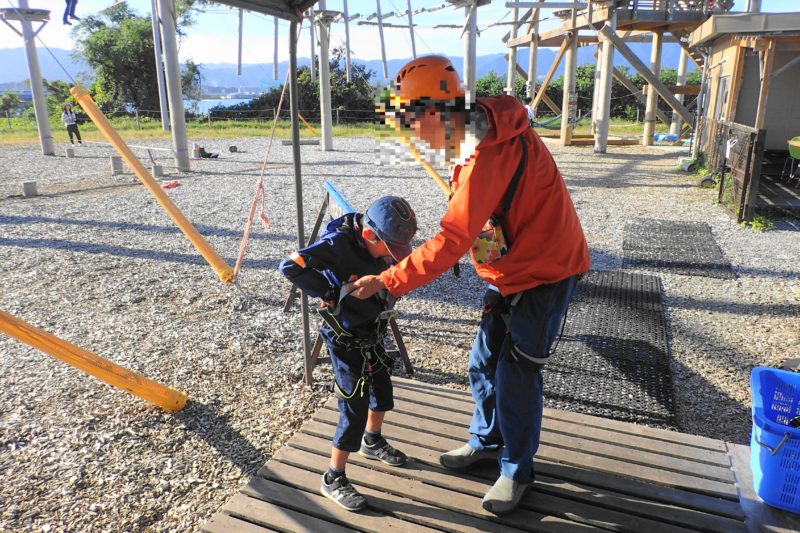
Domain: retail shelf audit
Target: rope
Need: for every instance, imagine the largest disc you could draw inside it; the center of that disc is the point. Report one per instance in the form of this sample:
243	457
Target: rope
260	184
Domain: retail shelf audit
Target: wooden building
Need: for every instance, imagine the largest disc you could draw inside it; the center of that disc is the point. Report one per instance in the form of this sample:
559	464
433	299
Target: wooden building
751	106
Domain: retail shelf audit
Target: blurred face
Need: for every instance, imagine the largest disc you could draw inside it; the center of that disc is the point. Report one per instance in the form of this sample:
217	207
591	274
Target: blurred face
430	127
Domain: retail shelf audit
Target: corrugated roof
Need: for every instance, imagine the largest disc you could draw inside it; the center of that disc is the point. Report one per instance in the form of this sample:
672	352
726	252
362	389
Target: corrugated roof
286	9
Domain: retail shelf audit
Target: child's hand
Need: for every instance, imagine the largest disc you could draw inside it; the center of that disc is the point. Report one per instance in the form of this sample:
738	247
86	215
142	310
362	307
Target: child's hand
326	303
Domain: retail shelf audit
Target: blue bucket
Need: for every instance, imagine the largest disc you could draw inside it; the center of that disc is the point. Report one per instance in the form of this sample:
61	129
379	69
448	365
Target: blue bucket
775	445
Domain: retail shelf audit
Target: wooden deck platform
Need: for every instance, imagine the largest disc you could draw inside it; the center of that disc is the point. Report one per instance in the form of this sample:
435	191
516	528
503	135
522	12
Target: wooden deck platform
592	473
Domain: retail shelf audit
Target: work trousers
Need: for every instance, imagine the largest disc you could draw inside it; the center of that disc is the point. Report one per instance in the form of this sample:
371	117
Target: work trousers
70	9
507	387
347	362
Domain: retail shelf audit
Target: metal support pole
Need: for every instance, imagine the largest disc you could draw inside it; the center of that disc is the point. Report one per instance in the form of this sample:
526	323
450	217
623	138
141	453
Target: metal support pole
533	54
652	95
347	43
166	9
275	53
298	186
511	72
675	126
383	44
37	88
603	118
570	100
324	81
411	30
162	88
470	49
241	31
313	45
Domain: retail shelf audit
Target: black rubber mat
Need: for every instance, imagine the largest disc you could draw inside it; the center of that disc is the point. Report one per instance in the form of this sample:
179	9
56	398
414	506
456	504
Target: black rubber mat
676	247
613	360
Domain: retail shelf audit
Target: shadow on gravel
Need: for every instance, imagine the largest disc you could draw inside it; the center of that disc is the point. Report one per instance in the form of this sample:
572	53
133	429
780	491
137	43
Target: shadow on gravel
121	251
204	421
130	226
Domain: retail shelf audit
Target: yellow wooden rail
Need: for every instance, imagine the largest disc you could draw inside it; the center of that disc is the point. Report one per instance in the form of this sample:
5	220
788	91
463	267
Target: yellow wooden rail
113	374
222	269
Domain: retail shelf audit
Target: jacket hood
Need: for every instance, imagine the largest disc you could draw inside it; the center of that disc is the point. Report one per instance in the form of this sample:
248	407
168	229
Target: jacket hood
514	119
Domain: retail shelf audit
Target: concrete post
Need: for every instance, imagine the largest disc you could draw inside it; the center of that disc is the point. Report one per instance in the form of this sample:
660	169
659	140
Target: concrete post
313	45
172	67
157	171
37	88
347	41
675	126
470	49
116	165
511	72
383	43
570	100
596	87
162	89
411	30
70	153
603	118
29	189
324	29
652	95
241	33
275	50
753	6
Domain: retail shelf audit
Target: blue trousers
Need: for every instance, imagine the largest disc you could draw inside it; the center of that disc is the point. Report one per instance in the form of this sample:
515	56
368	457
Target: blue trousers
508	388
377	393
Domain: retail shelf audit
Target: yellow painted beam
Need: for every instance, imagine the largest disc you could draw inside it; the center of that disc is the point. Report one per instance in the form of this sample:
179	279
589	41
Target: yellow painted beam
113	374
222	269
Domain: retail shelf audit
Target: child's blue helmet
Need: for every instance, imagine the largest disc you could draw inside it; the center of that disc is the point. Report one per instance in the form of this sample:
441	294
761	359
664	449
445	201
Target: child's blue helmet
394	222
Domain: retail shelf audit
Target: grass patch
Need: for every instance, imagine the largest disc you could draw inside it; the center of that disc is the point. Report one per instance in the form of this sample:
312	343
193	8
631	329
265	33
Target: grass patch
759	223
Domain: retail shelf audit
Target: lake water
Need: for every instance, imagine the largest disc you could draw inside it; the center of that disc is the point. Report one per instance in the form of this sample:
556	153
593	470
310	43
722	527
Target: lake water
204	105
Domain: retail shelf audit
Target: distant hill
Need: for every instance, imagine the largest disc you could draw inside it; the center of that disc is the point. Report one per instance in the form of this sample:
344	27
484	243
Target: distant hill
260	75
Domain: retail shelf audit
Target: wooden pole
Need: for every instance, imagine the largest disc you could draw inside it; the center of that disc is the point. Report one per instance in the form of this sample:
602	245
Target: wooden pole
162	88
347	42
172	70
103	369
326	140
550	73
652	96
275	51
241	32
36	84
533	56
570	101
604	93
383	43
767	60
511	71
675	127
411	30
470	50
313	45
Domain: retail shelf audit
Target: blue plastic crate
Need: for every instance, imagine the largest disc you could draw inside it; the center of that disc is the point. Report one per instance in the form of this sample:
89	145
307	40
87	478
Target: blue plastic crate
775	446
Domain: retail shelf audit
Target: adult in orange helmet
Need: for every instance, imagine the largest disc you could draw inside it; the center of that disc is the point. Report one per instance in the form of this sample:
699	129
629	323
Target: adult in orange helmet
511	210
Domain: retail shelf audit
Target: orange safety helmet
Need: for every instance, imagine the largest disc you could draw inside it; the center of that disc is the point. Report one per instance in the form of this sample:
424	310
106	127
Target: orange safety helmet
426	78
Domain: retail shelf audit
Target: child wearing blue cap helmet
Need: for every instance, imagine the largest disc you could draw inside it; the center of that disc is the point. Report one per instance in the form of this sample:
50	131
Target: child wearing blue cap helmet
352	246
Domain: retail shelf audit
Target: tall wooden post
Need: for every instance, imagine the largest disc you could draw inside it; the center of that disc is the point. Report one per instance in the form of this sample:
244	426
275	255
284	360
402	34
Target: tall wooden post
675	126
162	88
511	72
652	95
324	28
383	43
347	42
533	57
470	49
596	88
313	43
603	118
570	102
411	30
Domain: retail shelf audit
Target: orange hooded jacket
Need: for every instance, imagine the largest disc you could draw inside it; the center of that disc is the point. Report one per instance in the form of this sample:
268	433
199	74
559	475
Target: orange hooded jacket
546	241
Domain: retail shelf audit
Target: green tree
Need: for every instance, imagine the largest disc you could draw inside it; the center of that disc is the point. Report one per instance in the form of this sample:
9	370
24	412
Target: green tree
489	85
118	46
191	82
9	102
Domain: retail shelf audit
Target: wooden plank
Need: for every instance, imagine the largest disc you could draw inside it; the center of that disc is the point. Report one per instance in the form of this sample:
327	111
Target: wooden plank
589	431
323	427
760	517
222	523
320	513
647	74
431	495
614	465
578	442
550	73
736	82
388	503
588	420
276	516
590	504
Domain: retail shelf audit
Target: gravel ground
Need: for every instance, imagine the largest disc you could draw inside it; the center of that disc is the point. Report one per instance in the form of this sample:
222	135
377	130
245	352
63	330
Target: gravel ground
95	261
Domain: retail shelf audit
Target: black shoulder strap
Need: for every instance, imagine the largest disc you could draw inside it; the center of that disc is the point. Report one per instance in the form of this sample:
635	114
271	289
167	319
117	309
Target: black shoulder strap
512	187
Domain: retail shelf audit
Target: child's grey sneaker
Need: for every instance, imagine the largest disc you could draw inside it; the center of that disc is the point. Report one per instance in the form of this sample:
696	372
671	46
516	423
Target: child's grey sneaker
467	456
343	493
505	495
383	452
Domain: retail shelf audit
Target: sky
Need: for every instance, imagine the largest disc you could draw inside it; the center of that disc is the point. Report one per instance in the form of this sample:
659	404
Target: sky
213	39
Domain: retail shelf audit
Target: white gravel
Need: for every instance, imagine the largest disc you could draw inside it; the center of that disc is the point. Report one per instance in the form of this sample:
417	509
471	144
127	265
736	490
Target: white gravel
95	261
